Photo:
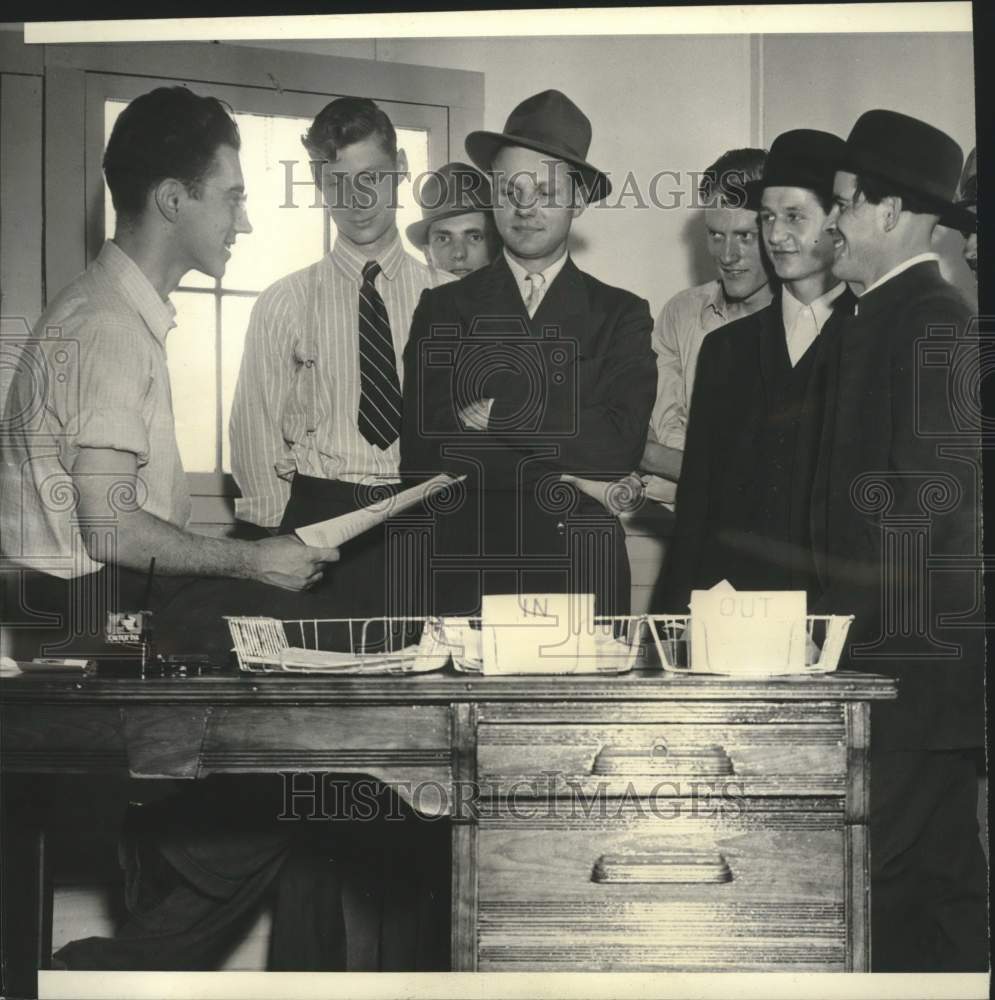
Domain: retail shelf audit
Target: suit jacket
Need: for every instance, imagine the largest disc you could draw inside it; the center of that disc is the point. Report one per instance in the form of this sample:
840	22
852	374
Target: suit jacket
722	529
896	524
573	389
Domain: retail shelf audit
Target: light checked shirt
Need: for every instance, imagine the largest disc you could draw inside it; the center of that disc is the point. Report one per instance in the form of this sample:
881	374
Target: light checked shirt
92	375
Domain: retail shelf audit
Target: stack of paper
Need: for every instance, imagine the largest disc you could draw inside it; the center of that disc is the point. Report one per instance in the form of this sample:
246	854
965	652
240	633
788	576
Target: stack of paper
748	632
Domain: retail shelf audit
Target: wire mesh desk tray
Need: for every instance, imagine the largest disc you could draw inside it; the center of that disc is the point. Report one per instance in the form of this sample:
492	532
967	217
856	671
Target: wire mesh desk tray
398	645
824	639
617	641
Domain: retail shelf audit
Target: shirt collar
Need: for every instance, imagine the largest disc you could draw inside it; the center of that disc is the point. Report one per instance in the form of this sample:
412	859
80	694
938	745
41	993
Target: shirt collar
159	315
548	274
920	258
351	258
717	302
822	307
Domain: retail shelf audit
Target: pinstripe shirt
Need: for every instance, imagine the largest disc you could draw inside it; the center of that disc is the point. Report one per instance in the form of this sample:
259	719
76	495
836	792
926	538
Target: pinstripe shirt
297	399
92	375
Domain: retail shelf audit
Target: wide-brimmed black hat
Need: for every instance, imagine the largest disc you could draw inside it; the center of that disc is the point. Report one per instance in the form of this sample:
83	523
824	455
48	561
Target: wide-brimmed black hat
919	159
453	189
548	123
802	158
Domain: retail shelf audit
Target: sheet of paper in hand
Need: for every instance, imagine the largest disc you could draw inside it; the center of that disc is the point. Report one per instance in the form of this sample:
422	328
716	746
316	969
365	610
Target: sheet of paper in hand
338	530
538	633
748	632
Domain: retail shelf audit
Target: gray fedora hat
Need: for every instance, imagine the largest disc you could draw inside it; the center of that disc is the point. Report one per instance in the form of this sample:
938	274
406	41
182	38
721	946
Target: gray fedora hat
548	123
453	189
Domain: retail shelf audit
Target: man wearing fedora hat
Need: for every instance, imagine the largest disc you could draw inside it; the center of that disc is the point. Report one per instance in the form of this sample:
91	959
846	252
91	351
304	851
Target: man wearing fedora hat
756	414
456	231
897	532
526	371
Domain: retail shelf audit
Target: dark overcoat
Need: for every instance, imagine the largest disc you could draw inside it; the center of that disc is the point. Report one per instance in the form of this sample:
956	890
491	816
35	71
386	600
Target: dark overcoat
728	494
896	508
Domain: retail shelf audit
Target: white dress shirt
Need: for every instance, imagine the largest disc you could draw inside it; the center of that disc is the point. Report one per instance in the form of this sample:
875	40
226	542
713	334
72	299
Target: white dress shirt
803	323
533	291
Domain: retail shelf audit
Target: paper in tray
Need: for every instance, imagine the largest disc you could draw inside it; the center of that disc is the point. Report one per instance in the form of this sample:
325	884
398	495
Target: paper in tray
406	661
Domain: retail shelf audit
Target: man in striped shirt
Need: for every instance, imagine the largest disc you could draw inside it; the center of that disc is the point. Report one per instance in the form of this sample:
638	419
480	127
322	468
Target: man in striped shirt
316	413
314	431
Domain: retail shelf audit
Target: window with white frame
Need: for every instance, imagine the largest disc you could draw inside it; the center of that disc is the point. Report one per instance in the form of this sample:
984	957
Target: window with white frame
204	350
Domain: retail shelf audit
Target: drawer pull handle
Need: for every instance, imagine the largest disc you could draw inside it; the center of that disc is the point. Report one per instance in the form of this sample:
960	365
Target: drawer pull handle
663	760
666	866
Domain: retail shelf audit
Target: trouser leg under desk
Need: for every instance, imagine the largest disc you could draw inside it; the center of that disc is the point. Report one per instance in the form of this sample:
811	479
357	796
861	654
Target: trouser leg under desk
928	872
26	916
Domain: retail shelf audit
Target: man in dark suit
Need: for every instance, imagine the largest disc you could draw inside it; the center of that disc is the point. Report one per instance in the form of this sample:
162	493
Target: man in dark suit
898	540
526	371
759	397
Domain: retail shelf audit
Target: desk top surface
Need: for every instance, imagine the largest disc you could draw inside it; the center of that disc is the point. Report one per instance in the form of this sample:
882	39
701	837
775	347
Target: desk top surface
446	686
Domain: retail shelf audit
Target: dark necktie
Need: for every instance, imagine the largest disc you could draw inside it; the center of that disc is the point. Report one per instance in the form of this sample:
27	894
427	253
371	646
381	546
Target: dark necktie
379	389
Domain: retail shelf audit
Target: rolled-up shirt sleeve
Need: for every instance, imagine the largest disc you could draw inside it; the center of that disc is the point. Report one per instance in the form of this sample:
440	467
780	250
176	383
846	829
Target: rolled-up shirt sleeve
99	392
670	412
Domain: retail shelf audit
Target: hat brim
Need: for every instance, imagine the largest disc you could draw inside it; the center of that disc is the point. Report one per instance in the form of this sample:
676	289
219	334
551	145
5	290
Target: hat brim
951	214
959	217
417	232
482	147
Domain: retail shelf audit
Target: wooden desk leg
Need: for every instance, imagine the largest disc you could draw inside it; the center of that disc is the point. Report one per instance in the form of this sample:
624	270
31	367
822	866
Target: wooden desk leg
463	740
26	917
857	847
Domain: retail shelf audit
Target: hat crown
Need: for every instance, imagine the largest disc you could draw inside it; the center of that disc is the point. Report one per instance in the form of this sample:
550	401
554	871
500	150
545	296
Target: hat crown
453	186
551	117
804	158
909	152
548	123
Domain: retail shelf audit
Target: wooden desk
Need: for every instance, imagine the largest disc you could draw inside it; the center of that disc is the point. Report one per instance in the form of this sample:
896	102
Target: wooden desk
637	822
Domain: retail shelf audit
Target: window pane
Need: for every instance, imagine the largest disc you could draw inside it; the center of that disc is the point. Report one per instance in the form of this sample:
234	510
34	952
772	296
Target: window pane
414	142
190	353
112	109
283	239
235	311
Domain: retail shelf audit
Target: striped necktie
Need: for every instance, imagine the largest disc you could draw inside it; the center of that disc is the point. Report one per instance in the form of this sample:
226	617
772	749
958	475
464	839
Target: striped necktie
379	415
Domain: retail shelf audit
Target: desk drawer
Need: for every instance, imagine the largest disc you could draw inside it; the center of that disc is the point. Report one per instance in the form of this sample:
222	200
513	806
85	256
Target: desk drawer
755	886
803	758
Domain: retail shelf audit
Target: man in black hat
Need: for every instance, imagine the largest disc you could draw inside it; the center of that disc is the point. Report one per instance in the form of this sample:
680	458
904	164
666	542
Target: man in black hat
967	197
456	231
759	396
525	371
897	536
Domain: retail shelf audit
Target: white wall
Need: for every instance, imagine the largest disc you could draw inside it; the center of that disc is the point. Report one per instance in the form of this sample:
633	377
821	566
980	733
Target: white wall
675	102
655	103
826	81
